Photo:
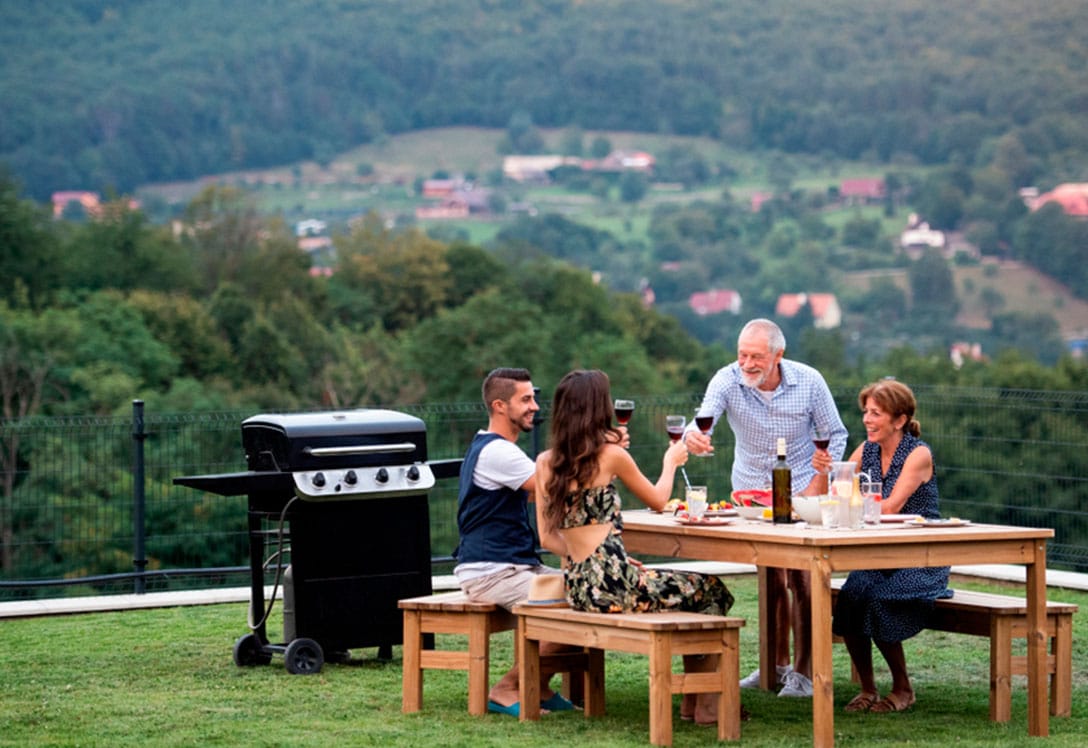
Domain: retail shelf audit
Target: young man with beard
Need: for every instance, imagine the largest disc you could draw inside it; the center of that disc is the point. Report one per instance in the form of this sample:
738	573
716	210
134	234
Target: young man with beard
496	556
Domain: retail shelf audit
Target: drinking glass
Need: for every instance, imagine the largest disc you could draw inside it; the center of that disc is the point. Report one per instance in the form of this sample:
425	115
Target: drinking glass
821	440
871	494
704	422
829	511
674	427
695	498
624	409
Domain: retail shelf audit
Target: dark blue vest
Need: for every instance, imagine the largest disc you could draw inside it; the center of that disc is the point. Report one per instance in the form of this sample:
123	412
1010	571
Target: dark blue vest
493	525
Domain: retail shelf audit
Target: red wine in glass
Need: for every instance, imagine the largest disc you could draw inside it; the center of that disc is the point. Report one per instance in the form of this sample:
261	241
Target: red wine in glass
704	423
624	410
674	427
821	442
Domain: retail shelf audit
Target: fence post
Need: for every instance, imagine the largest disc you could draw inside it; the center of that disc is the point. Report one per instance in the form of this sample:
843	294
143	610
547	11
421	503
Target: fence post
139	561
537	420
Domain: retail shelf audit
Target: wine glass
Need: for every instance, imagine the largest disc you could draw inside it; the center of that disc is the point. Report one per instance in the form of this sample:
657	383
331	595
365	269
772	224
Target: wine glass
624	409
674	427
821	440
704	422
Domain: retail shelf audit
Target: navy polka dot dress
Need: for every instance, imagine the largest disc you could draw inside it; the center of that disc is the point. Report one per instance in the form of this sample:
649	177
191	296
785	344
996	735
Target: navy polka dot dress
892	604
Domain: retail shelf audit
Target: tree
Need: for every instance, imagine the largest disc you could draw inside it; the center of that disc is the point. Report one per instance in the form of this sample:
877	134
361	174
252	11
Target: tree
34	349
120	249
633	186
115	349
933	291
29	249
571	143
1036	335
405	273
521	135
188	328
600	147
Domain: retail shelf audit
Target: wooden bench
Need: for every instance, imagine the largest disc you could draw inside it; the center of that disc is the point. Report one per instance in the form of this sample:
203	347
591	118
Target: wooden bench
454	613
660	636
1003	618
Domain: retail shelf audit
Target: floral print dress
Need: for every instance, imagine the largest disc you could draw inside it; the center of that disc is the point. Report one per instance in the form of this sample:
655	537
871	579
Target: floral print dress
609	582
891	605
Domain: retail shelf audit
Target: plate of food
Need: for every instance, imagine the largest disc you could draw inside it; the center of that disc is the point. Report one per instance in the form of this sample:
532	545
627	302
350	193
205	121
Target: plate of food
940	522
899	517
704	521
715	509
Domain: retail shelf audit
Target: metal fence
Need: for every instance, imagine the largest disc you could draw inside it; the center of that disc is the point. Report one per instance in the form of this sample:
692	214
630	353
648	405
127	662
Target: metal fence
75	495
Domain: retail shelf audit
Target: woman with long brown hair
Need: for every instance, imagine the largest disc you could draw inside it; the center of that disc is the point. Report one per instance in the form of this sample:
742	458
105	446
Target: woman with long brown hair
578	517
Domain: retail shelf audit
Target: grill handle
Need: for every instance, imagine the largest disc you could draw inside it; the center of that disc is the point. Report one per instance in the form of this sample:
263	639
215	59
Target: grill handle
361	449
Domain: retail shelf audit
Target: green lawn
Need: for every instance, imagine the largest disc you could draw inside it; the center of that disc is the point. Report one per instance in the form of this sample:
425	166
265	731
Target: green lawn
165	677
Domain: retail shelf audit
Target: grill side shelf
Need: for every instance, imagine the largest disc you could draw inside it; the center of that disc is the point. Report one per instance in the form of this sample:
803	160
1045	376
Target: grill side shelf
445	468
239	484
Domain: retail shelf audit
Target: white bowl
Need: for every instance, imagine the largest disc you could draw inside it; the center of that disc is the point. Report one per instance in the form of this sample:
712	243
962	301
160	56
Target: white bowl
808	509
751	512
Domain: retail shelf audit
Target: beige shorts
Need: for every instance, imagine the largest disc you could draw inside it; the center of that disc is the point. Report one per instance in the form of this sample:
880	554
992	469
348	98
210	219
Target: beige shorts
507	587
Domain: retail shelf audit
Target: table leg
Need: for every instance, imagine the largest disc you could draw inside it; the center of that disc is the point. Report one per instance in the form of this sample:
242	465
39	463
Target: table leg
823	695
768	632
528	674
1038	710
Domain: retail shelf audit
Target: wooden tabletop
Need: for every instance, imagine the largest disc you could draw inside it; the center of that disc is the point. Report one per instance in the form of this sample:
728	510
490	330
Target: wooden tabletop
888	545
822	551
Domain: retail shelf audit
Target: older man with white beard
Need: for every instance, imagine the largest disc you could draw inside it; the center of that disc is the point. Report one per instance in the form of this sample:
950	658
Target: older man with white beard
764	397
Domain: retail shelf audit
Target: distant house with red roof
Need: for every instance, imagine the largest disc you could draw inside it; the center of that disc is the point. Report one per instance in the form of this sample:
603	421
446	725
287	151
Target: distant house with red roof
90	202
826	314
1072	196
443	187
758	198
867	190
715	301
458	204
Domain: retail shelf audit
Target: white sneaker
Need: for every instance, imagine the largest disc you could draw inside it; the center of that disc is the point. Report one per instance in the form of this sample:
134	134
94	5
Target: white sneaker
752	679
796	685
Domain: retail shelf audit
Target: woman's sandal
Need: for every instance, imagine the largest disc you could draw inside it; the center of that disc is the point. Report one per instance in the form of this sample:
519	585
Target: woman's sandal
893	702
863	702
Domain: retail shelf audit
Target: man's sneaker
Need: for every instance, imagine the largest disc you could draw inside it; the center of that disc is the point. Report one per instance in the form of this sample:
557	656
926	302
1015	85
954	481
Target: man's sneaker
752	679
796	685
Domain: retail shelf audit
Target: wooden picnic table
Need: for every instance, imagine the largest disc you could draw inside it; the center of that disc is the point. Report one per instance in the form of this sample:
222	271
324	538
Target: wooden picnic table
823	552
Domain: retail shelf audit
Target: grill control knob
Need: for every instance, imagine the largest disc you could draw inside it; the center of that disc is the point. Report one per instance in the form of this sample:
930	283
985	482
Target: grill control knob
319	480
350	478
382	476
413	473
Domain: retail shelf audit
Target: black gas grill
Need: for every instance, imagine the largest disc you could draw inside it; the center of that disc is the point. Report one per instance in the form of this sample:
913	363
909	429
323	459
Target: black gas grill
344	496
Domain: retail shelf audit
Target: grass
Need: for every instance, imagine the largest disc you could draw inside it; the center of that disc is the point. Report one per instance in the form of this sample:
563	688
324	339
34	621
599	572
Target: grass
165	677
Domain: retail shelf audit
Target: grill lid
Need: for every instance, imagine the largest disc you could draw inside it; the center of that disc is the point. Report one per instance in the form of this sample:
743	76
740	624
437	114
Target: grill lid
341	439
343	454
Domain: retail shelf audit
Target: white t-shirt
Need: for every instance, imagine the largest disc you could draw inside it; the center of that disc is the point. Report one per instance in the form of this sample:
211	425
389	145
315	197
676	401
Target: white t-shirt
501	464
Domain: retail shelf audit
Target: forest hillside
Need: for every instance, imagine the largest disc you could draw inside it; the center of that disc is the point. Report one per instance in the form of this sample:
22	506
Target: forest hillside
111	95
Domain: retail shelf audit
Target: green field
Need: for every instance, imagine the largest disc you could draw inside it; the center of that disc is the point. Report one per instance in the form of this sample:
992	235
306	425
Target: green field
381	176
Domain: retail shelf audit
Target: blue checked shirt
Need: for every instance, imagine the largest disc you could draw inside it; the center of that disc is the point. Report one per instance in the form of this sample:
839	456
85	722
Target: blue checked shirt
800	403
